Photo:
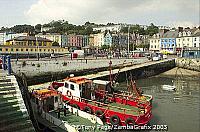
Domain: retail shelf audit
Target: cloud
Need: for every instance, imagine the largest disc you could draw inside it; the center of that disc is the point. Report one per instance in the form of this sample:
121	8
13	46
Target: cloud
182	24
160	12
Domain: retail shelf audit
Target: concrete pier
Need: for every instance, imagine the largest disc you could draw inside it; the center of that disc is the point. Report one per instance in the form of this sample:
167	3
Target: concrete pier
99	69
136	71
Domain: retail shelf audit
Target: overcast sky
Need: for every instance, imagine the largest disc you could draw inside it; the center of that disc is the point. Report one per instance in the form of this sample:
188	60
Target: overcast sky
160	12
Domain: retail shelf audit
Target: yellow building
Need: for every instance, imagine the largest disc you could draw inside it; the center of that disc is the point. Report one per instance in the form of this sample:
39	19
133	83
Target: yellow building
30	44
91	40
29	41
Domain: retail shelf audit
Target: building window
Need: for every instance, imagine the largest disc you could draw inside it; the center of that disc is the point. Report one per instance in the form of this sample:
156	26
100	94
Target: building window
26	49
56	99
155	46
172	45
40	50
11	49
165	40
17	50
188	39
183	39
195	45
151	46
31	49
66	85
71	86
179	40
195	39
6	49
21	49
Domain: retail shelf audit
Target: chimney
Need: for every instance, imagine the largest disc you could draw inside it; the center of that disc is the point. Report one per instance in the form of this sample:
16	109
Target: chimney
180	29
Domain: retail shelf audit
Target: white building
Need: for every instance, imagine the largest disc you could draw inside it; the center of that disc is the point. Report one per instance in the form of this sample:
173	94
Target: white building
112	28
98	40
7	36
155	40
185	38
196	39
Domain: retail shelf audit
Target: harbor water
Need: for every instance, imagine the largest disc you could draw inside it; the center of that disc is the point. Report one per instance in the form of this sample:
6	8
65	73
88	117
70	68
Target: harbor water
180	109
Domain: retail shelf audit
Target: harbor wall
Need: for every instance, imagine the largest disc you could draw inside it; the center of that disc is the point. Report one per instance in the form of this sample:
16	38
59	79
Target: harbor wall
141	71
188	63
135	70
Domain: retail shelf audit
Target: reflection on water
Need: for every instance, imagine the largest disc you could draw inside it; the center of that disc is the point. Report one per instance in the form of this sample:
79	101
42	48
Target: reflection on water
179	109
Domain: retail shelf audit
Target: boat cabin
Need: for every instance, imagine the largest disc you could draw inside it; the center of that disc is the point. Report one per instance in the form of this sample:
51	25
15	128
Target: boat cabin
46	99
102	85
77	86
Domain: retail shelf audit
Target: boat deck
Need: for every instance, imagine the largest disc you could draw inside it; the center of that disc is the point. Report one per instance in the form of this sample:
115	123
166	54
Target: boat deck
76	120
119	108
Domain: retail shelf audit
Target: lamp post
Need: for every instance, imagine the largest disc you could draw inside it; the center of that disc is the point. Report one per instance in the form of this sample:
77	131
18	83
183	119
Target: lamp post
128	39
36	42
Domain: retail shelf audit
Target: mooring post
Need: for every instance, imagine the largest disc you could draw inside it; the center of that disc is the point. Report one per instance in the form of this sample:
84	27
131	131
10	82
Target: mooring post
4	62
17	56
9	65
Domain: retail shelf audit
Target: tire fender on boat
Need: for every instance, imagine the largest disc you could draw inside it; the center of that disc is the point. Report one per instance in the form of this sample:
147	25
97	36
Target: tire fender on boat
100	114
75	106
130	121
114	120
87	109
69	93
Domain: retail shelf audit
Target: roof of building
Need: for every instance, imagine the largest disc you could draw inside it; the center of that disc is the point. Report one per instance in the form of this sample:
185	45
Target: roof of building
48	34
30	38
170	34
197	34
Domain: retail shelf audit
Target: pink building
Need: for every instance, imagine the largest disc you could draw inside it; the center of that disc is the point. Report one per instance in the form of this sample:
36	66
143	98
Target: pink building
75	41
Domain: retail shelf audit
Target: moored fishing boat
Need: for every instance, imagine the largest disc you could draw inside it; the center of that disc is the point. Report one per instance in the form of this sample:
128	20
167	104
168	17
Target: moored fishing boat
121	108
50	110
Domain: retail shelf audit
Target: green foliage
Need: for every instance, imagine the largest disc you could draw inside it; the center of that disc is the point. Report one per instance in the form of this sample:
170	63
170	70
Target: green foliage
55	44
22	29
105	47
38	28
152	29
143	46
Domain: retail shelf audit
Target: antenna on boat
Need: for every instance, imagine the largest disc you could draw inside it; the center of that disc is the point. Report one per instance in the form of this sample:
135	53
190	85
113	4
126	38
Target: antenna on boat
110	69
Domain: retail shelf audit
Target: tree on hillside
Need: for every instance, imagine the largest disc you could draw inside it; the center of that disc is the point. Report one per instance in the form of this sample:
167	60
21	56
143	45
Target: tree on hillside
22	29
38	28
152	29
136	29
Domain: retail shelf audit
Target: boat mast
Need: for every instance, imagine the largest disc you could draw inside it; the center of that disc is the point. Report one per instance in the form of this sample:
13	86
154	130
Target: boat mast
110	70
